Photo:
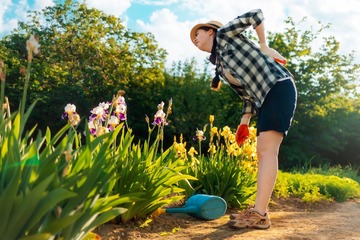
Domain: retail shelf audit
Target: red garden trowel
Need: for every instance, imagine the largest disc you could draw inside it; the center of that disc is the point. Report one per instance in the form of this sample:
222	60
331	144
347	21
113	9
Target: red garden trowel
202	206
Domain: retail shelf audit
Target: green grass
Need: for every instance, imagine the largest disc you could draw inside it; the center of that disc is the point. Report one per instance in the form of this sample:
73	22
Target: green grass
315	187
347	171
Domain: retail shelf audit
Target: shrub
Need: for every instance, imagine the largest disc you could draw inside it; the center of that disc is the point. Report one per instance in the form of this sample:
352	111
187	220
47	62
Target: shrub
316	187
229	171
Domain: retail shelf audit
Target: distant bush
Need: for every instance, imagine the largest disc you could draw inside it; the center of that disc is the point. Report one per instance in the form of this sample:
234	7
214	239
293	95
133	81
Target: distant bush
340	171
312	187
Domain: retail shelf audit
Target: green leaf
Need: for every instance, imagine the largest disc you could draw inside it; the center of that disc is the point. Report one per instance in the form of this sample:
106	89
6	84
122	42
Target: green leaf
39	236
49	203
61	223
25	208
7	202
107	216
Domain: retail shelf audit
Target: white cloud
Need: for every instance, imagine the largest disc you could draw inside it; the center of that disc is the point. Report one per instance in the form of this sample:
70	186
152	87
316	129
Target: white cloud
173	35
5	4
8	23
40	4
344	19
14	11
21	9
156	2
112	7
171	25
4	8
226	10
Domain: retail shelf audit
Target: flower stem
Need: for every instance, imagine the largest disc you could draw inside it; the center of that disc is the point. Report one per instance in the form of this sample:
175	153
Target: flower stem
26	85
2	101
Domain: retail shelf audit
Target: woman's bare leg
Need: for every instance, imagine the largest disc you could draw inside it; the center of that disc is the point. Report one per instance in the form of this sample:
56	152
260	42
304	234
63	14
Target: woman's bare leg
268	144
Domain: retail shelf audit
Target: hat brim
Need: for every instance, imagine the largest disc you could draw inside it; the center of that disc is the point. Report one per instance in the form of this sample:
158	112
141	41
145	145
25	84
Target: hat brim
197	26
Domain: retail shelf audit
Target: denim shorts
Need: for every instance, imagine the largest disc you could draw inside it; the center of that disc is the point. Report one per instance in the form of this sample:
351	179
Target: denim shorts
278	108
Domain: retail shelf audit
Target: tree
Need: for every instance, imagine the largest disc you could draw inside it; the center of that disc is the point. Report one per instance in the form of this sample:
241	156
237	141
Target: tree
86	57
327	98
194	102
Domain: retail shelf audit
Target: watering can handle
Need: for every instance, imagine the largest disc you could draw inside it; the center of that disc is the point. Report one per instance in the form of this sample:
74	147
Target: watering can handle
187	209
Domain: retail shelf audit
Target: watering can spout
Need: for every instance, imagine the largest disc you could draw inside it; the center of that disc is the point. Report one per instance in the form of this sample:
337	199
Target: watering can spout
185	209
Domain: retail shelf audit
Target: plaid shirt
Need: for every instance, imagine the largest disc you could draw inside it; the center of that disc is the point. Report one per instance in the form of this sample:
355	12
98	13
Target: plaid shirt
254	71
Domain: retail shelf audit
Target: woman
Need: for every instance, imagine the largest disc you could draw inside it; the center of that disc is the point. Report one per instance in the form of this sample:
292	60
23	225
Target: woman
268	91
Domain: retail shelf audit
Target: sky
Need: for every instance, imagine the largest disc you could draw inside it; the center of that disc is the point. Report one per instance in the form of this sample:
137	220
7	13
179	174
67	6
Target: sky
171	20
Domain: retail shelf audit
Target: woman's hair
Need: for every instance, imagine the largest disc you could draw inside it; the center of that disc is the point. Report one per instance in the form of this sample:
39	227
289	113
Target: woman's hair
215	83
212	57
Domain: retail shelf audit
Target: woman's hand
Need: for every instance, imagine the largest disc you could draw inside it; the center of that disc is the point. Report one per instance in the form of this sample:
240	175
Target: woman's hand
272	53
242	134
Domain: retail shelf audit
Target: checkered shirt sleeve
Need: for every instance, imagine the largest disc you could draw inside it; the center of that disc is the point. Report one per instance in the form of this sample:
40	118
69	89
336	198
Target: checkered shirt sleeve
241	23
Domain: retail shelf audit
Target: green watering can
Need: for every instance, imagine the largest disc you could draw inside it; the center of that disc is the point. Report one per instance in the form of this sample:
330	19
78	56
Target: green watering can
202	206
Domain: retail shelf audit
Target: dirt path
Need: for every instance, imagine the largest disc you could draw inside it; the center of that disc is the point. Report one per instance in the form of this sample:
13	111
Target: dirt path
290	221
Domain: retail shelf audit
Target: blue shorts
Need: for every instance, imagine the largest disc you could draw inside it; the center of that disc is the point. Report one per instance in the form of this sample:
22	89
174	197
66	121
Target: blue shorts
277	110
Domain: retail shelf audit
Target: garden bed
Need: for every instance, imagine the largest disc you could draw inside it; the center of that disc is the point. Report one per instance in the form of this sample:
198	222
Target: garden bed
291	219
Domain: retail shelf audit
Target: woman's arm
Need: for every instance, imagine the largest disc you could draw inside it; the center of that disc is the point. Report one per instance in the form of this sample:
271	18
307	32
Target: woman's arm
248	111
245	119
253	18
260	31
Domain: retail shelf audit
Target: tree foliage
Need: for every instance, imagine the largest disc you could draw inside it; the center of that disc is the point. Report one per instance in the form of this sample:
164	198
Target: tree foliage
328	100
87	56
194	101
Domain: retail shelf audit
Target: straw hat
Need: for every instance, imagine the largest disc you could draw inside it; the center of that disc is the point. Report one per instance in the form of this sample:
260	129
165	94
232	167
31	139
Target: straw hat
211	24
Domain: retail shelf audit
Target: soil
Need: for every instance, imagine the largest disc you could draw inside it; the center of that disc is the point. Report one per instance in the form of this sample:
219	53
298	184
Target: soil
291	220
